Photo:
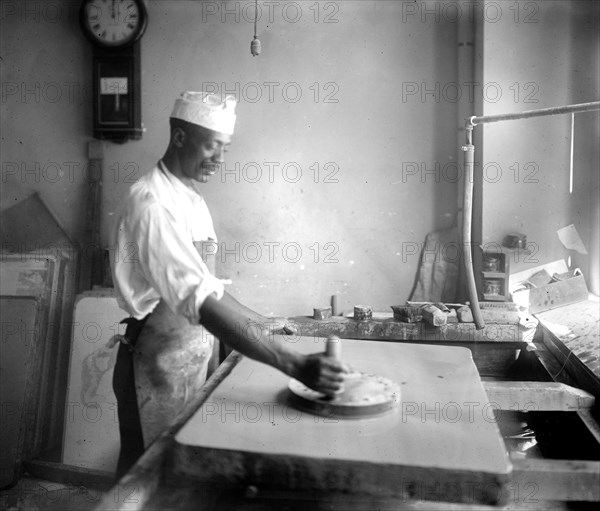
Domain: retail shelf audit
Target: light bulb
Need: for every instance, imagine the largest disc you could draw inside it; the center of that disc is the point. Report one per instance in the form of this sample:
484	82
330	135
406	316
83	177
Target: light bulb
255	47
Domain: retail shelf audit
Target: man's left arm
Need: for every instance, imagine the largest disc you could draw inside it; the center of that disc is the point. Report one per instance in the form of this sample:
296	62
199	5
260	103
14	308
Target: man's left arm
271	325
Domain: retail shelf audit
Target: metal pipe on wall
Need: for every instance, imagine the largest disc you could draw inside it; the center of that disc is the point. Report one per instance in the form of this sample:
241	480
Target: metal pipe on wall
567	109
465	73
469	157
469	150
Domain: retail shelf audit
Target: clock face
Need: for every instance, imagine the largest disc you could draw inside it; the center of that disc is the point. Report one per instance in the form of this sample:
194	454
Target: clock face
113	23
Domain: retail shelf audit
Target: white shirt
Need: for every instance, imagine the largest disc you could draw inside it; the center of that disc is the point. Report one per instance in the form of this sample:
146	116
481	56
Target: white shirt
153	254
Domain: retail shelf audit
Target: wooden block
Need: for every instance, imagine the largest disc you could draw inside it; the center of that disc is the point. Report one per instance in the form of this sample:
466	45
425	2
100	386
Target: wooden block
539	279
407	313
323	313
505	306
504	313
363	312
555	295
334	305
433	315
465	315
451	316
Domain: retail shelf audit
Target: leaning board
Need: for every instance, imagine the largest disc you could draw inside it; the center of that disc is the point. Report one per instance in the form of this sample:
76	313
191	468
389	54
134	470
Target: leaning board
442	443
91	428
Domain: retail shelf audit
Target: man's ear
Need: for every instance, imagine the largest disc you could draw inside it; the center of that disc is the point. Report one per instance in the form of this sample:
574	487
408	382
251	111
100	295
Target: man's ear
178	136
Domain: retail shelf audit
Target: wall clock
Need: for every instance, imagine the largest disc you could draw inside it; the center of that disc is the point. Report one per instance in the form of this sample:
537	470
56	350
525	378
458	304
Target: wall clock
114	27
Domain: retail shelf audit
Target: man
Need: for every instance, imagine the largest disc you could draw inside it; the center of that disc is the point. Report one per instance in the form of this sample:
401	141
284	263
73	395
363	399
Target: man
174	298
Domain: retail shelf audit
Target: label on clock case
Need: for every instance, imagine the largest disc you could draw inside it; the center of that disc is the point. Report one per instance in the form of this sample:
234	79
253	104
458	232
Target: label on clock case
113	85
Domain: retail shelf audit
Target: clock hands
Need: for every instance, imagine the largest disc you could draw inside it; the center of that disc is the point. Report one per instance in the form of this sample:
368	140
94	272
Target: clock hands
113	22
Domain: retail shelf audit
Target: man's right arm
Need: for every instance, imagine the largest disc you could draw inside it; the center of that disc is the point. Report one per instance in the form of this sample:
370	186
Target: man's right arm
233	327
268	324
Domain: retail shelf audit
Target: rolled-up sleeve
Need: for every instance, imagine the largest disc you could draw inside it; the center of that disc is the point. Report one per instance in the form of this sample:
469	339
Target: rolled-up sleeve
169	262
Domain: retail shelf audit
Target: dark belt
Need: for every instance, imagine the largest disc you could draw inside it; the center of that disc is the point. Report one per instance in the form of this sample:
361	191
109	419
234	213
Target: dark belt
133	330
130	426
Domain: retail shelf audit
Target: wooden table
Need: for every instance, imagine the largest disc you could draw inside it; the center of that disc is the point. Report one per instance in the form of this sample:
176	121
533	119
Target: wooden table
170	475
442	440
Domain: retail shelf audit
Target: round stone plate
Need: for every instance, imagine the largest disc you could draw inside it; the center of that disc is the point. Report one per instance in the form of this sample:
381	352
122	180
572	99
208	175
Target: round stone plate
363	395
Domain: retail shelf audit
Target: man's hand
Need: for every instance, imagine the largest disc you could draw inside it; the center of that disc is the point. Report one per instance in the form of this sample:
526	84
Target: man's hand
245	334
322	373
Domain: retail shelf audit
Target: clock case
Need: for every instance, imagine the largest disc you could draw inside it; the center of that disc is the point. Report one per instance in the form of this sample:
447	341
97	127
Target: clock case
125	122
115	119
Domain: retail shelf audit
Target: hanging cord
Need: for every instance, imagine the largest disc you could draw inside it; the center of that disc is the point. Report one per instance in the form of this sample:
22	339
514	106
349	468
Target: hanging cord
255	16
255	44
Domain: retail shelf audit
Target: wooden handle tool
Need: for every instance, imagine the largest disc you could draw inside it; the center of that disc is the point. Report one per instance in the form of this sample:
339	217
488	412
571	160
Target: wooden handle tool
362	394
334	347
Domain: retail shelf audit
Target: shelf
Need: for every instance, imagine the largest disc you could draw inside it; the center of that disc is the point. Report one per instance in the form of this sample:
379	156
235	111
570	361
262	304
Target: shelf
493	274
492	278
494	298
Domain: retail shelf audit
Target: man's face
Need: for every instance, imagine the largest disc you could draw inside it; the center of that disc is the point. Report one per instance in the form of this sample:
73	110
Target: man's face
202	153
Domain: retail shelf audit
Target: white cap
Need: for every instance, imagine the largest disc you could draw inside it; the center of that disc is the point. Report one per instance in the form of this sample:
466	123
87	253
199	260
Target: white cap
207	110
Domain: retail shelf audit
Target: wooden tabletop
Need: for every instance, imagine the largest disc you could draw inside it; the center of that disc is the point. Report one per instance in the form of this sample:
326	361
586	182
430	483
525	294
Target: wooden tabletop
384	327
442	438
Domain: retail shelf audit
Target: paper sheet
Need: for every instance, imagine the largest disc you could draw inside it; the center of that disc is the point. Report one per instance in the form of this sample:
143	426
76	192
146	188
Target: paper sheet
571	240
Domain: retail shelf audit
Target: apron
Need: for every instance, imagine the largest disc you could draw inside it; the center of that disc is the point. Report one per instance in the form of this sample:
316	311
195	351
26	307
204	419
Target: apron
171	361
